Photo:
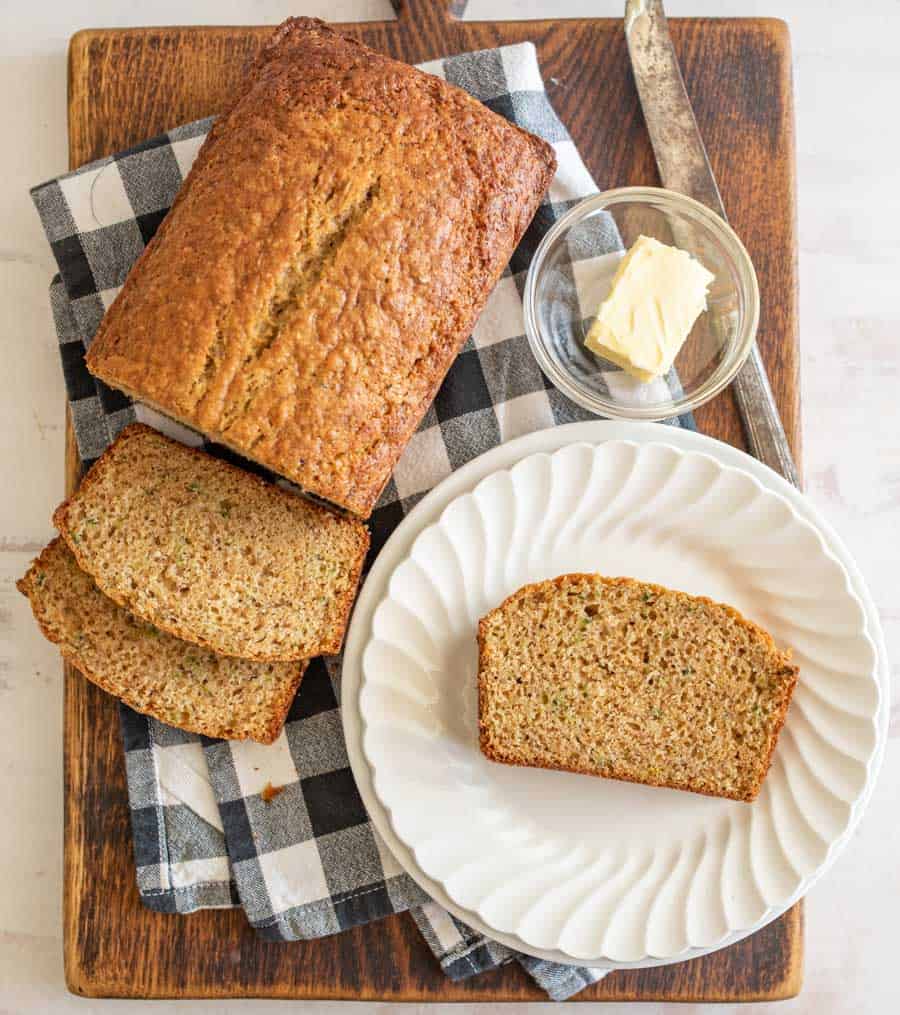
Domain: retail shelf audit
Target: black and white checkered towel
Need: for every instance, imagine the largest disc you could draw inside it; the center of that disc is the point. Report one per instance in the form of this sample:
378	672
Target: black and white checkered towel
207	831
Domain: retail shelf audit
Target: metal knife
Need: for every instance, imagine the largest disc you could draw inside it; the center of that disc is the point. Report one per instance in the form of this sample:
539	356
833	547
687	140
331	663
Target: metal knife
684	167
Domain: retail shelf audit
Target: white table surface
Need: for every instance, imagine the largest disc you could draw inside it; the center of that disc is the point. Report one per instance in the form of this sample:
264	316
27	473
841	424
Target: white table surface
847	79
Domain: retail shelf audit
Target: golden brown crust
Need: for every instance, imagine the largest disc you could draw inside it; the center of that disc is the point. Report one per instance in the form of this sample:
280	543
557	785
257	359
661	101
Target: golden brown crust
25	585
484	664
273	729
673	784
135	430
324	262
788	693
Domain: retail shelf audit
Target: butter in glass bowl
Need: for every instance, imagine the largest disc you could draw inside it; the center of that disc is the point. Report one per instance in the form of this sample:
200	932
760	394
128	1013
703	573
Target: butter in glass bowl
573	272
656	296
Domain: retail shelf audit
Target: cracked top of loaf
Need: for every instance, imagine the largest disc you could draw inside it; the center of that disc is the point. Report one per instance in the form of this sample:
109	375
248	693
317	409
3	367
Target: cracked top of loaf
325	259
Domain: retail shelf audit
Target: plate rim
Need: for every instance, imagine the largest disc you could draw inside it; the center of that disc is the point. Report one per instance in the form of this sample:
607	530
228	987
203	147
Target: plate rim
500	459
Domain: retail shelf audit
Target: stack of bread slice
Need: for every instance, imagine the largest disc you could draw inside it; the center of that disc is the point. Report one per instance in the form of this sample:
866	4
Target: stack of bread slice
192	590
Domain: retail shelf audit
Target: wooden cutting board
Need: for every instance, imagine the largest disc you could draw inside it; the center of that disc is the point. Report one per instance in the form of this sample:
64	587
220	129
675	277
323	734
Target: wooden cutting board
126	85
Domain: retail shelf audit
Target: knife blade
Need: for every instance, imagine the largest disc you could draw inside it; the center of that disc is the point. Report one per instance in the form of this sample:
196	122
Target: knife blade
684	167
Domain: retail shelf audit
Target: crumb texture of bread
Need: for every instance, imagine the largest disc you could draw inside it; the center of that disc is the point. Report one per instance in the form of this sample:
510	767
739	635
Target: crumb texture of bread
175	681
211	553
324	262
630	680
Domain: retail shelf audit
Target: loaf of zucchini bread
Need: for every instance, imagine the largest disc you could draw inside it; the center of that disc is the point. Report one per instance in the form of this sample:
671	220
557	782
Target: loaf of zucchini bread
325	260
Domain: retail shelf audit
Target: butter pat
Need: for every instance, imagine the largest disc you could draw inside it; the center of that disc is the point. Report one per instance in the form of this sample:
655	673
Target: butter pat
657	293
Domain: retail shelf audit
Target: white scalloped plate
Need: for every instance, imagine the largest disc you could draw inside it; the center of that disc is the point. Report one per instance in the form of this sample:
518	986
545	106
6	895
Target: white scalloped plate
591	870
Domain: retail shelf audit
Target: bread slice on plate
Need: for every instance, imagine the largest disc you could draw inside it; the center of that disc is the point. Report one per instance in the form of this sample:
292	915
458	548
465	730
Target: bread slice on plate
211	553
628	680
154	673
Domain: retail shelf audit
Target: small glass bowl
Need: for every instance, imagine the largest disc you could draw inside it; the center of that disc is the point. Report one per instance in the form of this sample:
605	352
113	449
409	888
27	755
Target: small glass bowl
570	275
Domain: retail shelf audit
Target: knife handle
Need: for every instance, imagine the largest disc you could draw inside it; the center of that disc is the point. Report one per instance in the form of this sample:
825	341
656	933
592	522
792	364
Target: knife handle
762	424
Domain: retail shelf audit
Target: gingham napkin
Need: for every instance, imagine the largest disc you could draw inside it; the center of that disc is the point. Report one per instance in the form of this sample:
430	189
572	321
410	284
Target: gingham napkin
281	830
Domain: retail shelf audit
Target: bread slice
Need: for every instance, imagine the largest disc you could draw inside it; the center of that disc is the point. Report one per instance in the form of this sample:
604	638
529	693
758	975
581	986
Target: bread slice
627	680
151	671
211	553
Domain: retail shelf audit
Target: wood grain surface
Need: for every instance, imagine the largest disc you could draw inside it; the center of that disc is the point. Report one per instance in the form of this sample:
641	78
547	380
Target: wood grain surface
126	85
